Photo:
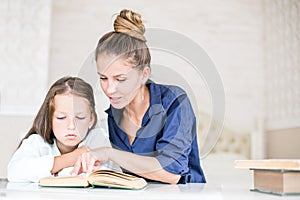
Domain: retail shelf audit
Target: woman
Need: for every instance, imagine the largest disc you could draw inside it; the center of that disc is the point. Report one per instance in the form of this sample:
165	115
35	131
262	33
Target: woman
152	127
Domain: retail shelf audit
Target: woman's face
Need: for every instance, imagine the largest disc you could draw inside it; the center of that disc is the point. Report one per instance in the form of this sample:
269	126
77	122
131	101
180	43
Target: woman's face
70	121
120	82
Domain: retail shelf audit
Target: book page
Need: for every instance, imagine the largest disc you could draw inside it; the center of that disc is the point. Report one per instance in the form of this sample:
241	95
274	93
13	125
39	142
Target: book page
285	164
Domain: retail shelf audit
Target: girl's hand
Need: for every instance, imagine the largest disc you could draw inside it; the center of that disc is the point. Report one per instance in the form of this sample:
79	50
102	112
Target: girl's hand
68	159
81	150
91	160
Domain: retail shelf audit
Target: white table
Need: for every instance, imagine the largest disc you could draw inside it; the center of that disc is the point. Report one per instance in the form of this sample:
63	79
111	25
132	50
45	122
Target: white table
32	191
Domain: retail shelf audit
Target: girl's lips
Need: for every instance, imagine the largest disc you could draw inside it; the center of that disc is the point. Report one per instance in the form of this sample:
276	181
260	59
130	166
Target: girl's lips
71	136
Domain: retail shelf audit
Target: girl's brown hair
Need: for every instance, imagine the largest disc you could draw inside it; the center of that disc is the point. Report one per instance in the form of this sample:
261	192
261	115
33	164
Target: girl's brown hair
42	123
127	40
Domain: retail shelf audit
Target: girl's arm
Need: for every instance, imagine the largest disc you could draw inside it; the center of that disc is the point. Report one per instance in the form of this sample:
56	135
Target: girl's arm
35	159
67	160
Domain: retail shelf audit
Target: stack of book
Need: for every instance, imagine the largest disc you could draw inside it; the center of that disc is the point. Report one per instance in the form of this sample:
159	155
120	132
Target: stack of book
277	176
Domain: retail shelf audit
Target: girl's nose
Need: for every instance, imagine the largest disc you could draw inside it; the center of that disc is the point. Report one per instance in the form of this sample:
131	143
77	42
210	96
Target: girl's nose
71	124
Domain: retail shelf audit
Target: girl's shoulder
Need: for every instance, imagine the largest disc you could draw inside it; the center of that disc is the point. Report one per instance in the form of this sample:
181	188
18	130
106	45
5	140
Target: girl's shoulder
37	142
98	132
97	137
35	138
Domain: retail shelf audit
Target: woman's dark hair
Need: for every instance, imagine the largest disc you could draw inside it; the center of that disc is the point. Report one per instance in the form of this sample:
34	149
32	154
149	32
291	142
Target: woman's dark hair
127	40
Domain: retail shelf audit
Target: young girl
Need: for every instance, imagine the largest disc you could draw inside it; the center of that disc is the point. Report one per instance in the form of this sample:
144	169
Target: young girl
59	134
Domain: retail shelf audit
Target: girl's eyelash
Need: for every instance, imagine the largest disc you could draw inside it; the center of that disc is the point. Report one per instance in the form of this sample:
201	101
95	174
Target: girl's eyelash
61	118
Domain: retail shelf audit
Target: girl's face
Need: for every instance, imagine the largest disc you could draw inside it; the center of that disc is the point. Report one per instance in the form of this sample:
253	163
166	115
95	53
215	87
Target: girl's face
120	82
70	121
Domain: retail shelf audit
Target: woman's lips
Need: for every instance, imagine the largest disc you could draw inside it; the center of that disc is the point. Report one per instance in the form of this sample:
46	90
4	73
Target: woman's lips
114	100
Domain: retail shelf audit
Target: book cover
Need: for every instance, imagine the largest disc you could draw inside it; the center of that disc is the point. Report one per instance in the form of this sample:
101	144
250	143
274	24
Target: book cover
279	182
98	178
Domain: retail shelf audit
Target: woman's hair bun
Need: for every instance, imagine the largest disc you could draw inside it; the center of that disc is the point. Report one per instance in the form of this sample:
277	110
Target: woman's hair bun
130	23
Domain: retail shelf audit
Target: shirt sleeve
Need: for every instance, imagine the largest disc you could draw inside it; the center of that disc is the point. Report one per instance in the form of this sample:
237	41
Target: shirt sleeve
32	160
178	133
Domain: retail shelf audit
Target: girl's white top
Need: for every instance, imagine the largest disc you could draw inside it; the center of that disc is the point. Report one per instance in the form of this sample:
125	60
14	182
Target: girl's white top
35	157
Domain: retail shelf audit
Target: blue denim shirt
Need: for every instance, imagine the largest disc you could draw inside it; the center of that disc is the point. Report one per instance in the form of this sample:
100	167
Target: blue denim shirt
168	133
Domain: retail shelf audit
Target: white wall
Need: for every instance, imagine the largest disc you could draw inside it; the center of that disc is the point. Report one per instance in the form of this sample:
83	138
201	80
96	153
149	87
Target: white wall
24	51
282	75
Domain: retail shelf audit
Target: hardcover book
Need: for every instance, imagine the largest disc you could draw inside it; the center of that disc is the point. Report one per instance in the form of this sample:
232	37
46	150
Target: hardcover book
277	181
273	175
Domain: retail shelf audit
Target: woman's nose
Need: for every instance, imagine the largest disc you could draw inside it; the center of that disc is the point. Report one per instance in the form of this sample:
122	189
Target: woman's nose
112	87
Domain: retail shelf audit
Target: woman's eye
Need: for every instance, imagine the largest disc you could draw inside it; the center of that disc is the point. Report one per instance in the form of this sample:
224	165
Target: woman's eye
121	79
60	118
80	117
103	78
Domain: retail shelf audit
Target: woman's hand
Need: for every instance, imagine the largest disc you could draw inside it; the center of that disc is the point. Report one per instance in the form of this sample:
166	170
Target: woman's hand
90	161
145	166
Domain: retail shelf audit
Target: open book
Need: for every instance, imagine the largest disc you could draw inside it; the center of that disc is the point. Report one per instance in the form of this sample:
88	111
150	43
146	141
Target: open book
98	178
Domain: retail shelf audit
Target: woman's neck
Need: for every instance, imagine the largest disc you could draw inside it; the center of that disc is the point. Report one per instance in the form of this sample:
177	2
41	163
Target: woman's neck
136	109
133	115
